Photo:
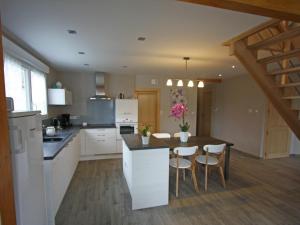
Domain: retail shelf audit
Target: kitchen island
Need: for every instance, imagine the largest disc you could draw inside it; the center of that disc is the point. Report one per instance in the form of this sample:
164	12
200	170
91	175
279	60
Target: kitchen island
146	170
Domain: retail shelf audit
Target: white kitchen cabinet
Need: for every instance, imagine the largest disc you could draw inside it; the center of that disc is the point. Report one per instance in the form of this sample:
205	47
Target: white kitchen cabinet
59	97
98	141
58	174
126	110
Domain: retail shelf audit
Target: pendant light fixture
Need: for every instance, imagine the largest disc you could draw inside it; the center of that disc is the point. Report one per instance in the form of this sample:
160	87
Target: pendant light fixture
179	83
169	83
201	84
190	82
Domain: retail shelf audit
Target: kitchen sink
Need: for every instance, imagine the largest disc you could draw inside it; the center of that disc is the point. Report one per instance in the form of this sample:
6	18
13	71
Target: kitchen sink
52	139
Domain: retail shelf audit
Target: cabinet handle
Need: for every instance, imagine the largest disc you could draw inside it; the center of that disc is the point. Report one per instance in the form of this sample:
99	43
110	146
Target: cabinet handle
101	135
101	140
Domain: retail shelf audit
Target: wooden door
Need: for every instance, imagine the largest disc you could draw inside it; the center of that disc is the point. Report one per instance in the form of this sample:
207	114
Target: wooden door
277	135
7	208
148	109
204	112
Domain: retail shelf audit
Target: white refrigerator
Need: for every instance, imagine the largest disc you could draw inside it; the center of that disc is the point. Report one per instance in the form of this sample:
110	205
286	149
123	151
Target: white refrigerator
27	162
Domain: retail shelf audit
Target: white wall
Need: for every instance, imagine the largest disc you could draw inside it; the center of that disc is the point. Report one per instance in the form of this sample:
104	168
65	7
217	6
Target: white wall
82	86
238	114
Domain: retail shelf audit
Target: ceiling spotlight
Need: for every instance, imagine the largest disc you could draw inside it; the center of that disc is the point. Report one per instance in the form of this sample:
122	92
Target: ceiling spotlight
201	84
141	38
169	82
81	53
220	75
72	31
190	83
233	66
86	64
179	83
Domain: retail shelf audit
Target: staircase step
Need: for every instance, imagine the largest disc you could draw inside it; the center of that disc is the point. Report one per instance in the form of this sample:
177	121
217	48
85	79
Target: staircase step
281	56
284	71
291	97
295	84
294	32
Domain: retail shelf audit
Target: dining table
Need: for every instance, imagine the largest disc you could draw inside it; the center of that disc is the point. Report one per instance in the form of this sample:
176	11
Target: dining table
200	141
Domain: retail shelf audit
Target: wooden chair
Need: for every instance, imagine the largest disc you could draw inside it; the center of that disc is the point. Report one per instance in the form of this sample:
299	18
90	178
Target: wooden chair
162	135
214	156
178	134
178	162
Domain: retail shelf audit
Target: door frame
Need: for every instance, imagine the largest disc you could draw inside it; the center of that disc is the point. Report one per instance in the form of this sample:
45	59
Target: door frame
157	92
7	204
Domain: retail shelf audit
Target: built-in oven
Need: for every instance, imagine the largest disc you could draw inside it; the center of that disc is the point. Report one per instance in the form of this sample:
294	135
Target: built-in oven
126	129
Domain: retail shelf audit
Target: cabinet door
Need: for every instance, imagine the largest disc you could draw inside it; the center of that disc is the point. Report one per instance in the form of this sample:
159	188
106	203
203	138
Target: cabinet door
105	145
119	146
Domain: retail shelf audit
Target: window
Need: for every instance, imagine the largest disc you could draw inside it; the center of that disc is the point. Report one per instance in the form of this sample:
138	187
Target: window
38	91
25	85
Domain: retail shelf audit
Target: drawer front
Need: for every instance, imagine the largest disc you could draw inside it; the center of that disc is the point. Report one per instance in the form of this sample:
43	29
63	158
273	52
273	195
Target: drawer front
100	145
101	131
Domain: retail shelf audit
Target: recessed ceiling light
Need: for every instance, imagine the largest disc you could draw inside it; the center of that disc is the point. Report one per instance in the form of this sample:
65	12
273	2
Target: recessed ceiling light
233	66
86	64
220	75
81	53
72	31
141	38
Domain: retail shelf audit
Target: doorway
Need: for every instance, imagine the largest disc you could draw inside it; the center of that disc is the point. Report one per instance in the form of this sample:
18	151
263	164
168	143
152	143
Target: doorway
204	104
148	108
277	135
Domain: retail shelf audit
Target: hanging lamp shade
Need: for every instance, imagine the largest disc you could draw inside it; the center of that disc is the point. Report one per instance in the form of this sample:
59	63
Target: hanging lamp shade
169	82
201	84
179	83
190	83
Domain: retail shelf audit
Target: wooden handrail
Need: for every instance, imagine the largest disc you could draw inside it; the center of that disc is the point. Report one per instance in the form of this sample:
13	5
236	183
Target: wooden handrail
269	23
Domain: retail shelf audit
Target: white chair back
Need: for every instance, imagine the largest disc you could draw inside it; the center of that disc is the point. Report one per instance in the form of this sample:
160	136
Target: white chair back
215	149
185	151
162	135
178	134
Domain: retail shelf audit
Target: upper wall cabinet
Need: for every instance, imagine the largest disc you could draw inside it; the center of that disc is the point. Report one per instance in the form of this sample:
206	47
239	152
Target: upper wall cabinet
59	97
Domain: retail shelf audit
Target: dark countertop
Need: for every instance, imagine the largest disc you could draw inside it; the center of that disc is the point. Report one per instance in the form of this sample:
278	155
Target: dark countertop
95	126
134	142
53	148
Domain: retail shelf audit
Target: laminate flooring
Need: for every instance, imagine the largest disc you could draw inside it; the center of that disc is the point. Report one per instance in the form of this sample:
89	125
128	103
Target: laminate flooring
259	192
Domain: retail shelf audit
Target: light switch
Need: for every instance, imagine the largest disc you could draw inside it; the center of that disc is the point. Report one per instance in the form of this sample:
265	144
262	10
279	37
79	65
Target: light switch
153	81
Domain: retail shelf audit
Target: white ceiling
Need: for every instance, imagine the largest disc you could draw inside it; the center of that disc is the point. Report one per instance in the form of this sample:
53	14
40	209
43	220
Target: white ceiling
108	31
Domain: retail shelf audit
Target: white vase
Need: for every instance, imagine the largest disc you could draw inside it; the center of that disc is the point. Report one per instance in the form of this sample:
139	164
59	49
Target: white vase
145	140
184	136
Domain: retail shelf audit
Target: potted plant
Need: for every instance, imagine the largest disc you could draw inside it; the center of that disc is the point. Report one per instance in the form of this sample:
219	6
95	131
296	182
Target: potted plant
177	111
145	132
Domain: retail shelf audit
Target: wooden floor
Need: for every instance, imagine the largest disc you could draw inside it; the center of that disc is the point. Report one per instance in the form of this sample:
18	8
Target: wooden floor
259	192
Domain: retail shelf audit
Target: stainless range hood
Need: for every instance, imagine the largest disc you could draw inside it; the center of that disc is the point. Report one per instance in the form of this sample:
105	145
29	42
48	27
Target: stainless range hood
100	93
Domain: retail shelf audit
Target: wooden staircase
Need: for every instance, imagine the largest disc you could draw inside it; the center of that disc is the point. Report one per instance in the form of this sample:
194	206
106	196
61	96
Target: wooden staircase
271	54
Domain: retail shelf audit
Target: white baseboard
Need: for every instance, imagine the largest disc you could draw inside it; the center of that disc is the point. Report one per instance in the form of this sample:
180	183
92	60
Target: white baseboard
98	157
